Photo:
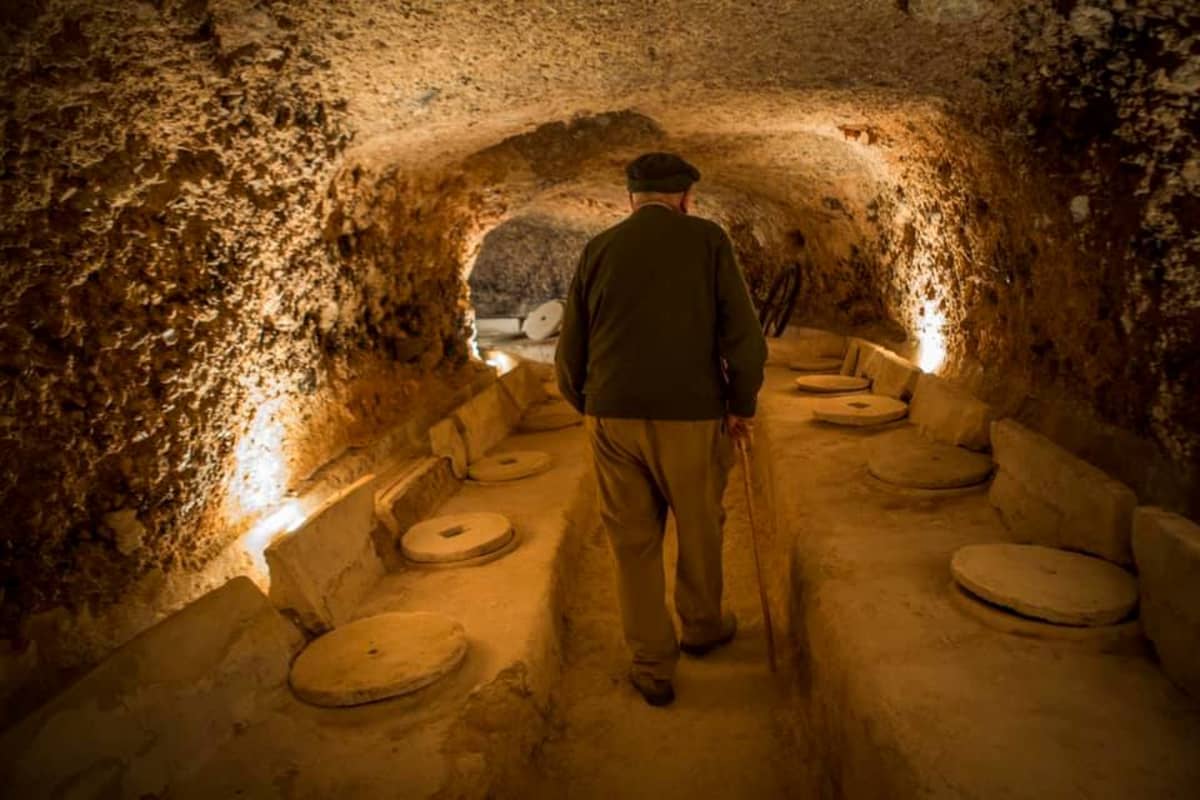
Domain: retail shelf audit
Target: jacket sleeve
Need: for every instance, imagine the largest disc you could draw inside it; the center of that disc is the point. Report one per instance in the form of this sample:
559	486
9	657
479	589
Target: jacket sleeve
570	359
739	338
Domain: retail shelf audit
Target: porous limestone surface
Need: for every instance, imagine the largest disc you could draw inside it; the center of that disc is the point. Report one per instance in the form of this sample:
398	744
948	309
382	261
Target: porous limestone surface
471	734
907	696
859	411
830	384
173	696
510	466
456	537
909	459
950	414
1167	549
1046	583
374	658
321	571
544	322
550	416
1048	496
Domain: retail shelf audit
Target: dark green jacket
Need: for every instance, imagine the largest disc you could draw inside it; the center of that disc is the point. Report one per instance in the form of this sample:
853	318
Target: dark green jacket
657	304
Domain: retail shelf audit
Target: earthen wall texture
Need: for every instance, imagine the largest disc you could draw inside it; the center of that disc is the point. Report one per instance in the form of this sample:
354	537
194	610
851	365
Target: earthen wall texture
229	230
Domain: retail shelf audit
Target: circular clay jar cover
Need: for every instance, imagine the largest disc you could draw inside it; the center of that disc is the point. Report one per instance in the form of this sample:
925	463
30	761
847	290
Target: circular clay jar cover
859	410
908	459
509	466
456	537
1046	583
550	416
826	384
544	322
378	657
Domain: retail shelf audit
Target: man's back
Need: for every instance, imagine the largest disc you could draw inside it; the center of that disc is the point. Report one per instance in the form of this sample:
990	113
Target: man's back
656	304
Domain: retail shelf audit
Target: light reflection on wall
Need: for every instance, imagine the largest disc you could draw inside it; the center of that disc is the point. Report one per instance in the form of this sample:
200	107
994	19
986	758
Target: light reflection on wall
931	337
260	482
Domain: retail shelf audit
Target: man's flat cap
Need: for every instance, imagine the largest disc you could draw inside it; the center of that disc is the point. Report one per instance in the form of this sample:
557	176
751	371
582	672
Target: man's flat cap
660	172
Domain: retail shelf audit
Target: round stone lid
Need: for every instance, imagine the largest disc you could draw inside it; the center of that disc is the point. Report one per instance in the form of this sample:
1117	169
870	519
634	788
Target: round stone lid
378	657
826	384
1046	583
456	537
816	364
550	416
908	459
510	466
545	321
859	410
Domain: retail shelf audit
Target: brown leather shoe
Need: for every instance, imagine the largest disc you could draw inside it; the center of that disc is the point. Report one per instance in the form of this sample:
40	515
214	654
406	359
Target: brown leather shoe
655	691
728	632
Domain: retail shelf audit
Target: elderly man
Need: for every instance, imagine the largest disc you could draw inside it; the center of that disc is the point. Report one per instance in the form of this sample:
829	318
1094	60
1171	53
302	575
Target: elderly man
661	350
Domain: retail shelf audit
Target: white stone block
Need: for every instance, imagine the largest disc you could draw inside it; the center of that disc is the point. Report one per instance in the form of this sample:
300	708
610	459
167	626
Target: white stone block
1167	549
486	420
522	387
891	376
947	414
169	698
446	441
321	571
1048	496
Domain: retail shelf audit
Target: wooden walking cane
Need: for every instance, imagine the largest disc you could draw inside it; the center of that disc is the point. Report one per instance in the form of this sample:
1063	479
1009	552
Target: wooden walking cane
743	447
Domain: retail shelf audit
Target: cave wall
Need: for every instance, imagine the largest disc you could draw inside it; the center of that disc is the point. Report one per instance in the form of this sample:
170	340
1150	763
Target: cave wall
234	232
187	330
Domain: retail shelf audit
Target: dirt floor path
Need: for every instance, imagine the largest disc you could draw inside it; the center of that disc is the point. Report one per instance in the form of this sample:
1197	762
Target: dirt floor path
722	738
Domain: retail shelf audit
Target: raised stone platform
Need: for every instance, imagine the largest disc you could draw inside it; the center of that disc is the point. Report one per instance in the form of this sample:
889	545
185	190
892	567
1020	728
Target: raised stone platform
471	734
166	701
902	693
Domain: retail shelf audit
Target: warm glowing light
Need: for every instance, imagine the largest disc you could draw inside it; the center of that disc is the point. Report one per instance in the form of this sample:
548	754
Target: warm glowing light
260	476
931	338
501	362
285	519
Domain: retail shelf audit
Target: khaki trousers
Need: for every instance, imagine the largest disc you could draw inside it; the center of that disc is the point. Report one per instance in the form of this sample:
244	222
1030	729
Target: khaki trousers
644	467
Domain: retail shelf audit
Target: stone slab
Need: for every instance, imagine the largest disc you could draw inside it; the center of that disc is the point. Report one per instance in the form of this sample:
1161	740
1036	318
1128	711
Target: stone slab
321	571
1046	583
552	416
485	420
545	321
387	655
171	696
948	414
414	492
816	364
510	466
1167	549
891	375
446	441
1118	637
456	537
859	410
523	387
1048	496
907	458
830	384
850	358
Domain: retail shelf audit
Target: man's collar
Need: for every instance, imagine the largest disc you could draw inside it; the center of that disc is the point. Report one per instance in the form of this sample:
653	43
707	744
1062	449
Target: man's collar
649	203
